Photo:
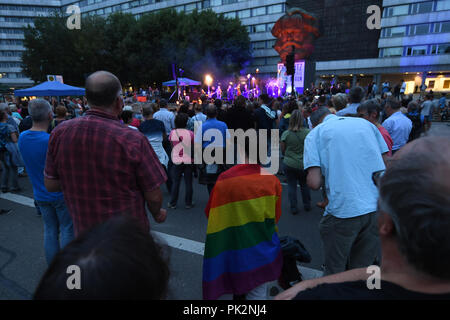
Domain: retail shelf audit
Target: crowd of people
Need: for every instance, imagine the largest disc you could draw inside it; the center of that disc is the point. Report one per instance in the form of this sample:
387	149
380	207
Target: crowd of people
96	164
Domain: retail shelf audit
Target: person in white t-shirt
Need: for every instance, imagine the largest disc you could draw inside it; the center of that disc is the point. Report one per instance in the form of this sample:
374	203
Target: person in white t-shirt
402	90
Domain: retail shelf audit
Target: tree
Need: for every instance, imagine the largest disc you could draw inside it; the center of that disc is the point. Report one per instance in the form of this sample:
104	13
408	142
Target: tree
139	52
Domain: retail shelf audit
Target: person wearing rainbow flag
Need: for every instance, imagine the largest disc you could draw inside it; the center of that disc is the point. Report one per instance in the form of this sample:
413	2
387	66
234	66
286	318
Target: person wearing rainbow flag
242	248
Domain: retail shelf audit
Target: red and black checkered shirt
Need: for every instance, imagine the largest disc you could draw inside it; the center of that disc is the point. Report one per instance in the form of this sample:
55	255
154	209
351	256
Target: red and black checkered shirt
103	167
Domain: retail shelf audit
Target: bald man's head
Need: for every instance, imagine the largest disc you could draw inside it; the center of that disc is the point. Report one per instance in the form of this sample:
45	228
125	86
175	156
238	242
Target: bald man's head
415	192
102	89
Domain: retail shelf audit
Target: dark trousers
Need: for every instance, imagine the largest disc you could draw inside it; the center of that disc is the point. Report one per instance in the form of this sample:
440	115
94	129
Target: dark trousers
210	186
169	179
349	243
177	171
293	176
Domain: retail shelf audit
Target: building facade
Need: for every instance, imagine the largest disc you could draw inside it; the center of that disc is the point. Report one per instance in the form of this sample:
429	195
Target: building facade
258	16
14	16
414	45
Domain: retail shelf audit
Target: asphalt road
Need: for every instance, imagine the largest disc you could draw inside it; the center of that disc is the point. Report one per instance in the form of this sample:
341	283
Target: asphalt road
22	261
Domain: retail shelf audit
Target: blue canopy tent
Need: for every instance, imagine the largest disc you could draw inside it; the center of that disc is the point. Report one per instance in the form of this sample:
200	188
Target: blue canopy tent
50	89
181	82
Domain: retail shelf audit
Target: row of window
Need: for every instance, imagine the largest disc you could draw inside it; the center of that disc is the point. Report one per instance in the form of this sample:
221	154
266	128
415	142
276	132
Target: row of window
432	83
416	8
265	61
28	8
136	3
10	53
10	64
127	5
254	12
247	13
265	27
259	45
11	31
12	75
422	50
16	19
11	42
415	30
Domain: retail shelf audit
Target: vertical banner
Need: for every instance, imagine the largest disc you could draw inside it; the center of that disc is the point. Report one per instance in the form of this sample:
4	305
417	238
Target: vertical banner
284	81
299	77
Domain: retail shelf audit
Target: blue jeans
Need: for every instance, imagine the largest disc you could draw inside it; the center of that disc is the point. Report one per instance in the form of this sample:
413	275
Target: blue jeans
58	227
293	176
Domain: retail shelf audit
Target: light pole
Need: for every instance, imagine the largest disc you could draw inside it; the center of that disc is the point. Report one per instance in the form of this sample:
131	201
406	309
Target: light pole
208	82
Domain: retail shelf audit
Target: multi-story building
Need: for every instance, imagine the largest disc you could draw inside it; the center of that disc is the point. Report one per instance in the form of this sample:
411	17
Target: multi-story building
14	16
257	15
414	45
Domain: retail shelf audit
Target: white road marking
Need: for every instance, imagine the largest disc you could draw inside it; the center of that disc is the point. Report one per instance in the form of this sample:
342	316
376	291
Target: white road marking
172	241
181	243
18	199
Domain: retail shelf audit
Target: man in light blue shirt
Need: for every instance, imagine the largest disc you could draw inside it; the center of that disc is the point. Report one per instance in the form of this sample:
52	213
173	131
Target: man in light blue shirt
164	115
355	97
397	124
346	151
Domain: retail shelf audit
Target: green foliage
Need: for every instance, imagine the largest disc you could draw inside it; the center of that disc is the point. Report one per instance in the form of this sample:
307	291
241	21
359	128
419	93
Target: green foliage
140	52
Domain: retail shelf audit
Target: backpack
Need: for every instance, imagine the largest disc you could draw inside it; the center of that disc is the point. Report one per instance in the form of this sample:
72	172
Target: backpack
416	125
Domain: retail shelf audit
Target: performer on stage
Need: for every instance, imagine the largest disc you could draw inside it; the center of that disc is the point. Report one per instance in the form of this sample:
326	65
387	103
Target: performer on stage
230	93
245	94
218	92
257	92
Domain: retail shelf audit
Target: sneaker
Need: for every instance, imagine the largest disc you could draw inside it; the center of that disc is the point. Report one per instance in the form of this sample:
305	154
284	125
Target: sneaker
5	211
4	190
190	206
16	190
171	206
307	208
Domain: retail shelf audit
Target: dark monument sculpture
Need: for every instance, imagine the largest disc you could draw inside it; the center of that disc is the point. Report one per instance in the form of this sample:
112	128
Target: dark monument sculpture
296	28
296	32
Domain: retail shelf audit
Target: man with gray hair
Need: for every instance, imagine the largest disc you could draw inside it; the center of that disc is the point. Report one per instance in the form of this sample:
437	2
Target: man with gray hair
346	151
33	144
413	224
103	167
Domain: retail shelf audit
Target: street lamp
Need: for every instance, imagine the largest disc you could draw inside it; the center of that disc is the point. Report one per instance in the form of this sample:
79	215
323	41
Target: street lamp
208	82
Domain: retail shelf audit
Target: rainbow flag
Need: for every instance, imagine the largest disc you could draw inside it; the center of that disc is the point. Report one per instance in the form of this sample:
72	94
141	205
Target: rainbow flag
242	248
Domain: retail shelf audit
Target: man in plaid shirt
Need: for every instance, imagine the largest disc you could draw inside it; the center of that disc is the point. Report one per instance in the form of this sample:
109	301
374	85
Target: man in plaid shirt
103	167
